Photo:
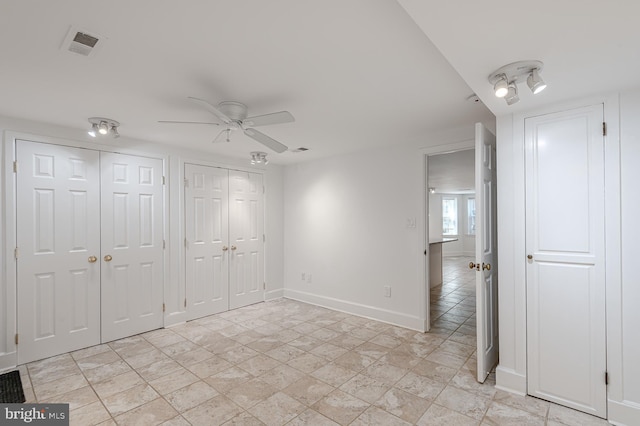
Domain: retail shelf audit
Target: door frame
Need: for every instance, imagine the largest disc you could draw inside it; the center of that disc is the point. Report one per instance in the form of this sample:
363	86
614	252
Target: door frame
8	232
425	293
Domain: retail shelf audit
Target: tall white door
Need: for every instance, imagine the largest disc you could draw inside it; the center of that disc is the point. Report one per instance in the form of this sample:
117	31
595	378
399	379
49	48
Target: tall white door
207	240
58	240
566	335
132	245
486	252
246	233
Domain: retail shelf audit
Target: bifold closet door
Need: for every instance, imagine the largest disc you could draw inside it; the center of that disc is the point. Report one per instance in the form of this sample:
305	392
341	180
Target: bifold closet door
565	241
132	245
58	245
246	235
207	240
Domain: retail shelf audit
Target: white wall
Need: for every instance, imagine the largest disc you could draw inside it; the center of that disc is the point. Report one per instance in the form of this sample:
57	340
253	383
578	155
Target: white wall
346	224
622	199
174	256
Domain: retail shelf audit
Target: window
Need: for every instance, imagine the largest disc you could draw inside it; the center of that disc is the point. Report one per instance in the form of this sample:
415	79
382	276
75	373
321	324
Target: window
449	216
471	216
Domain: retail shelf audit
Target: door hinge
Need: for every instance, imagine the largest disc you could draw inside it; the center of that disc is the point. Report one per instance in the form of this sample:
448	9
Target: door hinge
264	238
606	377
264	286
16	252
604	129
185	302
186	183
16	338
15	167
164	244
163	180
164	308
185	242
425	252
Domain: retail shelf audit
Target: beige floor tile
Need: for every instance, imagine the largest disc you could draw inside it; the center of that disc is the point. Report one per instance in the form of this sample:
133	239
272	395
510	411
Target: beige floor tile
468	381
150	414
445	358
569	417
354	361
90	351
129	399
420	386
158	369
49	390
532	405
243	419
340	407
386	341
328	351
250	393
277	410
98	360
105	372
374	416
173	381
385	372
117	384
54	372
91	414
333	374
438	415
311	417
228	379
259	364
404	405
77	398
176	421
504	415
434	371
142	359
209	367
365	388
371	350
215	411
238	354
281	376
463	402
308	390
305	343
191	396
285	353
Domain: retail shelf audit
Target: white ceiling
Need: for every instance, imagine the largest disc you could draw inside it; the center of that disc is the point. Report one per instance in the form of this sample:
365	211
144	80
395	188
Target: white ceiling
356	74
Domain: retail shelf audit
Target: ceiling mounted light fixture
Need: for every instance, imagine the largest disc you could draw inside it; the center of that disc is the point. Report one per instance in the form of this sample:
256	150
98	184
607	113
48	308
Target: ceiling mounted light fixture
506	78
258	157
103	126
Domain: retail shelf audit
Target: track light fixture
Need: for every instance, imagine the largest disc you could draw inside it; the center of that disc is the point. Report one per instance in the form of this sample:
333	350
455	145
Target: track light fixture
258	157
506	78
103	126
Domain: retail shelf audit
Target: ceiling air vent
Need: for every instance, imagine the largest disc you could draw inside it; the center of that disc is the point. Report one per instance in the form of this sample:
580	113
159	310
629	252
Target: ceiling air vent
81	42
301	149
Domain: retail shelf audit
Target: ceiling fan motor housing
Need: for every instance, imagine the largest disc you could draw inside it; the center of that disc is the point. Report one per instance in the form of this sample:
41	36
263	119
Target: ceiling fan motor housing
234	110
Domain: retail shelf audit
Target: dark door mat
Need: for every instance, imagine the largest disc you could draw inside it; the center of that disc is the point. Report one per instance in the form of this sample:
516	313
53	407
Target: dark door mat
11	388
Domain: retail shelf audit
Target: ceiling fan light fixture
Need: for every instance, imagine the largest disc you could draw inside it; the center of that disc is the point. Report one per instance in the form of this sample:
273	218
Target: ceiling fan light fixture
535	82
259	157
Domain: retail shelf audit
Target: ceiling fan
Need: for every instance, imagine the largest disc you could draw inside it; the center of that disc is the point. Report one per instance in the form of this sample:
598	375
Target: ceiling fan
234	117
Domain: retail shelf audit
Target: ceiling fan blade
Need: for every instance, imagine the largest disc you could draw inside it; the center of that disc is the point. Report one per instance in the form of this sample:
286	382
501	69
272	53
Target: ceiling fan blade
223	136
212	109
266	140
186	122
266	119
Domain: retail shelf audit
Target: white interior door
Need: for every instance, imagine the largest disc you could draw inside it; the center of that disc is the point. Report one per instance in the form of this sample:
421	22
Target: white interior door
486	252
132	245
58	238
566	335
207	240
246	233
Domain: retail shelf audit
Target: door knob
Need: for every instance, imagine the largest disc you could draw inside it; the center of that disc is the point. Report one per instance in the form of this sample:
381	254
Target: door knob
225	248
233	247
475	266
530	256
92	259
108	258
487	266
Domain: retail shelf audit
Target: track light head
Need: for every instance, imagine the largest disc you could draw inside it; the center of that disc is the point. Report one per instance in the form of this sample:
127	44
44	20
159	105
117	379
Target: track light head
103	129
535	82
258	157
501	87
512	94
93	131
114	132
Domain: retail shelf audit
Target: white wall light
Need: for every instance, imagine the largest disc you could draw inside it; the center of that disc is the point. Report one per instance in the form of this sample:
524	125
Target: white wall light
103	126
506	78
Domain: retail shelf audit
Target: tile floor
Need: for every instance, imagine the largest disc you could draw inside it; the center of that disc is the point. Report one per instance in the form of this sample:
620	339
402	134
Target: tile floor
286	362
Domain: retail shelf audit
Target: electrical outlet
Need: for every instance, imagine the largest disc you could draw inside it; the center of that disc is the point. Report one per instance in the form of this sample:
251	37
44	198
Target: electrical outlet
387	291
309	277
303	276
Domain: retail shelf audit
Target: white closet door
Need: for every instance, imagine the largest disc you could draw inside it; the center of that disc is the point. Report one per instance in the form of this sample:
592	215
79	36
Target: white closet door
246	230
566	334
132	267
58	232
207	240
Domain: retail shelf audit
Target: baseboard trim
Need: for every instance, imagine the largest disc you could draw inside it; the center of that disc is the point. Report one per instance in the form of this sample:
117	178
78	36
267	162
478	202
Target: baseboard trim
623	414
371	312
510	381
274	294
